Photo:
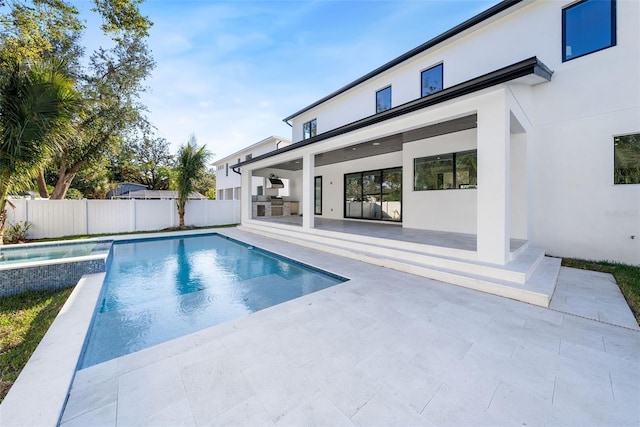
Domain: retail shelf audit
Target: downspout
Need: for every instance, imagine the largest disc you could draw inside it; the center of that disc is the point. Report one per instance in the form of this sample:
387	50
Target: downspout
233	168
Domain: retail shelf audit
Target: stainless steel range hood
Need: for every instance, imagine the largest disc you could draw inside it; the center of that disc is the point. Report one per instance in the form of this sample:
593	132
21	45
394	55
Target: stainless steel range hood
276	183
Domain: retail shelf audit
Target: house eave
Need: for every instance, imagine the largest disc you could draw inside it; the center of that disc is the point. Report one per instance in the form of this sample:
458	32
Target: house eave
529	71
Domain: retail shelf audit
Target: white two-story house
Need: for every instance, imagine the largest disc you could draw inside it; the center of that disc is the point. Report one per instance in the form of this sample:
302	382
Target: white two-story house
228	182
466	159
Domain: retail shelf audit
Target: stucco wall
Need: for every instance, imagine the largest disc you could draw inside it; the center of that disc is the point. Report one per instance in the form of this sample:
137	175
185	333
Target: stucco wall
445	210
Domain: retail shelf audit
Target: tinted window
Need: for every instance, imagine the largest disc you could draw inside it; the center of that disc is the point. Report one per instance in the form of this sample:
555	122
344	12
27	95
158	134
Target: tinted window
383	99
587	27
432	80
309	129
626	151
446	171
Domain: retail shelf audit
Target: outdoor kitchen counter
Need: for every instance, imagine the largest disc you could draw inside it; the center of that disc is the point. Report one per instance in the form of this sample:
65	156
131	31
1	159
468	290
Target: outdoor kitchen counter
269	209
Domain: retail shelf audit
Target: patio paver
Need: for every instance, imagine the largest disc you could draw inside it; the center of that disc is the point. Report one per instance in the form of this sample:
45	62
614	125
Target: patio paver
384	348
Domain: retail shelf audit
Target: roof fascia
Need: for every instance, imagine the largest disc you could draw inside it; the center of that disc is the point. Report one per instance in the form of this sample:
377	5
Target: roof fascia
503	75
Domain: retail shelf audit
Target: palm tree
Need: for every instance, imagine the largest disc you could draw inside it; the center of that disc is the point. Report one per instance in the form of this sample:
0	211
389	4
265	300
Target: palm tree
36	102
191	162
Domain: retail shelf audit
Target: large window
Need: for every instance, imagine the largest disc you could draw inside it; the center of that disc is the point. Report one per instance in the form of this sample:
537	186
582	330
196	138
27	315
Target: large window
374	195
626	152
317	208
383	100
309	129
431	80
446	171
588	26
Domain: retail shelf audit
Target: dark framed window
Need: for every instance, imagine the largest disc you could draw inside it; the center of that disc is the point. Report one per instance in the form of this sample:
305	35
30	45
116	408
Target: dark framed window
383	99
374	195
317	200
309	129
446	171
260	190
248	157
226	171
626	159
588	26
431	80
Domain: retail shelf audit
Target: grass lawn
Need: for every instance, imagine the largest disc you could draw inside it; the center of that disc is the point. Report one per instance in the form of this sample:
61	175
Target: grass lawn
24	319
627	276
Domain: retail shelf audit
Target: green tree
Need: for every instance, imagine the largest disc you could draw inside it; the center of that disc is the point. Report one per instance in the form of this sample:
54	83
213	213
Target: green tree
191	163
206	183
110	108
36	104
33	30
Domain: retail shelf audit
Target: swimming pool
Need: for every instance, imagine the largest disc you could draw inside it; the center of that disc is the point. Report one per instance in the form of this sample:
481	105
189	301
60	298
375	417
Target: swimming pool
160	289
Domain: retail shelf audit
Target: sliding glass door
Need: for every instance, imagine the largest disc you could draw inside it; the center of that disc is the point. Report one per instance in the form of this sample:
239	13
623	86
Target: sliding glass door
374	195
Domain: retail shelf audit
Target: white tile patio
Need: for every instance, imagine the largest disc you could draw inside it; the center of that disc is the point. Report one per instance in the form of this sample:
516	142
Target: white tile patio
384	348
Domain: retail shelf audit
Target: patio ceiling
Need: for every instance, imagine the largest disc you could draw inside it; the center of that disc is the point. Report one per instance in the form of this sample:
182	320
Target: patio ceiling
387	144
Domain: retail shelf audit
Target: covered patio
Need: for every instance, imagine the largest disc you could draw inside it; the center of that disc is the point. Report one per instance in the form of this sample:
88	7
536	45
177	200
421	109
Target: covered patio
393	232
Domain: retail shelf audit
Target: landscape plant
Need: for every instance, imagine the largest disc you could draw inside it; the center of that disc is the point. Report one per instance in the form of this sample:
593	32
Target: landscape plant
37	102
17	232
191	163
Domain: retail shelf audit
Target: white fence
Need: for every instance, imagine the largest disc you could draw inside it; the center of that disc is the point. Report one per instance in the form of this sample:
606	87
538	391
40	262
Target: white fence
57	218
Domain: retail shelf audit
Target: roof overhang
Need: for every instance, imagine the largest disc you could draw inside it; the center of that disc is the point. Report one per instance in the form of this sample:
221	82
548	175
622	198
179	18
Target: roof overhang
530	71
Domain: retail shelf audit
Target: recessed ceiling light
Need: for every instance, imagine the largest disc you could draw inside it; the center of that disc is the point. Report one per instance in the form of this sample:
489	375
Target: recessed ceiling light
354	148
376	143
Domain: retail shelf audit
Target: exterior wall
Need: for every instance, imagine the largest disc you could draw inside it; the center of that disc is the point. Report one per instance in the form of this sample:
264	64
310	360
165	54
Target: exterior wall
573	208
333	180
443	210
231	179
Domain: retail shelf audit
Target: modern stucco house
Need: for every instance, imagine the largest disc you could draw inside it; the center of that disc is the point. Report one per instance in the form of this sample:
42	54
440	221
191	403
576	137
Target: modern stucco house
228	182
466	159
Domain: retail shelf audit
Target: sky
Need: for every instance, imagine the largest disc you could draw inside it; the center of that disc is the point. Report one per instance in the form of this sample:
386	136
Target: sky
230	71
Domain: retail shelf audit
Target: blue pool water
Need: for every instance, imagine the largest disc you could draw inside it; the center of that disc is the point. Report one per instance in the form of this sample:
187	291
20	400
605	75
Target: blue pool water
157	290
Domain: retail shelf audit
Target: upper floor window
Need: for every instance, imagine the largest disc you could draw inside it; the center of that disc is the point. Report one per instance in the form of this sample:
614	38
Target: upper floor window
626	159
226	169
383	99
431	80
248	157
309	129
588	26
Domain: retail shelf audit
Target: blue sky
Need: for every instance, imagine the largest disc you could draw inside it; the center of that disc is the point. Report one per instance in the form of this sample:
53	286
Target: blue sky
230	71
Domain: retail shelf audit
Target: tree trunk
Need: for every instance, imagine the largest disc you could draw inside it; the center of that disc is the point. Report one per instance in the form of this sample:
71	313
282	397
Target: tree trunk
42	184
65	178
181	214
4	215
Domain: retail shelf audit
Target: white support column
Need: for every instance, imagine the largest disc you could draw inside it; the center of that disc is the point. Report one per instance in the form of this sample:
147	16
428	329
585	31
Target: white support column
308	169
245	195
493	214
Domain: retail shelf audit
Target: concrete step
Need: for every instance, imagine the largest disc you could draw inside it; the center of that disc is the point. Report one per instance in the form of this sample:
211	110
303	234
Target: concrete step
530	278
518	270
